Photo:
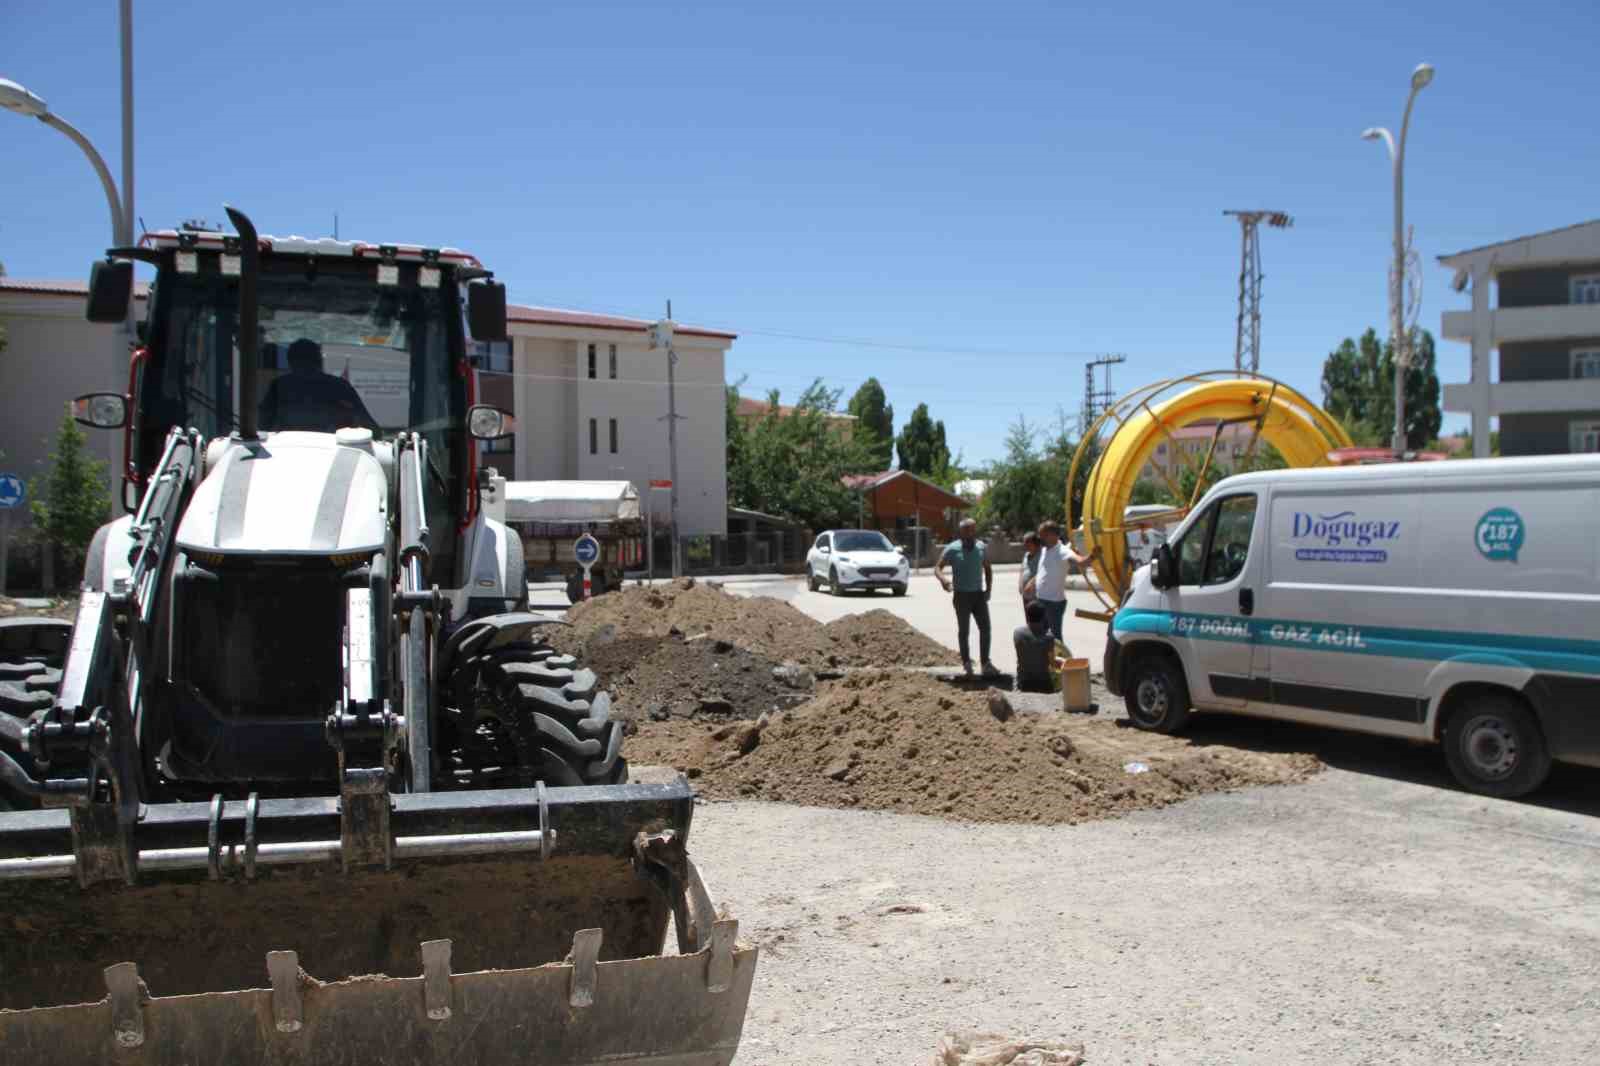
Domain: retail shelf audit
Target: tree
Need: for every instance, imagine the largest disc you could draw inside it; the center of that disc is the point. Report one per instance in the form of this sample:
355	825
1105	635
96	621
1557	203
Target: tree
1029	485
874	422
74	502
1358	389
922	444
793	464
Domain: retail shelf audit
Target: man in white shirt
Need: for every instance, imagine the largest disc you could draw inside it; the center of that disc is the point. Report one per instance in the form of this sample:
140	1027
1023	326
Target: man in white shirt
1049	584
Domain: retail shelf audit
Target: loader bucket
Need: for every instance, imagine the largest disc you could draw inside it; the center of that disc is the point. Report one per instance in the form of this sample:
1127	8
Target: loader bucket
509	926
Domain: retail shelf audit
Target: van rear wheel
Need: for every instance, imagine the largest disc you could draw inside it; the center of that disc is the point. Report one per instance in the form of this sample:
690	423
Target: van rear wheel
1494	746
1155	694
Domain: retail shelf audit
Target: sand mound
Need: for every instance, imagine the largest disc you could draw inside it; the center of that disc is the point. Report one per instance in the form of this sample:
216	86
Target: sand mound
758	624
661	677
904	742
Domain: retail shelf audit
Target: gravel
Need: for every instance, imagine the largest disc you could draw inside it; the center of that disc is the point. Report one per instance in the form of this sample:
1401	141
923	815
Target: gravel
1361	917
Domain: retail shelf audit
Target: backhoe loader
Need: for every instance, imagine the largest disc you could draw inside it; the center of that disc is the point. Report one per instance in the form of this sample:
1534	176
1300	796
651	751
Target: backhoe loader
303	783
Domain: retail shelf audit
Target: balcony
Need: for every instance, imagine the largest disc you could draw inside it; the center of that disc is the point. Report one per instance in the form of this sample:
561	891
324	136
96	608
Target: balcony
1514	324
1529	397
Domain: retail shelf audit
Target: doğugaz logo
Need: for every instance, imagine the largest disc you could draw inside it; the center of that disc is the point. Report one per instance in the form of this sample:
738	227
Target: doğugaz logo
1344	538
1500	534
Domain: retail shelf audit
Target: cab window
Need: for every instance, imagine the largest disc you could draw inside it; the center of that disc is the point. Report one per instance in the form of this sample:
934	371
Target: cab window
1215	547
1230	540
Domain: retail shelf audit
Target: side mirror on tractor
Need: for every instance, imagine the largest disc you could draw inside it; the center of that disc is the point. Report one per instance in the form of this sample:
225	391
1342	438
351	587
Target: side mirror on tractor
110	289
486	310
1166	569
102	410
486	422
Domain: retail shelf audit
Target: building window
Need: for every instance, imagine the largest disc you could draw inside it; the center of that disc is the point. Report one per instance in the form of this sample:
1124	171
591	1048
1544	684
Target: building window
594	436
1586	289
1586	363
613	367
613	436
1586	437
492	356
591	361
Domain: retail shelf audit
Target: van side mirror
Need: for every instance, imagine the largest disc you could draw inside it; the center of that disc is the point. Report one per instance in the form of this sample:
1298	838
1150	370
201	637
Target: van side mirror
486	310
110	289
1166	570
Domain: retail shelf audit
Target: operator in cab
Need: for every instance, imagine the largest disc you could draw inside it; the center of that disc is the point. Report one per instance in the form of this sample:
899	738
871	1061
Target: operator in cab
308	398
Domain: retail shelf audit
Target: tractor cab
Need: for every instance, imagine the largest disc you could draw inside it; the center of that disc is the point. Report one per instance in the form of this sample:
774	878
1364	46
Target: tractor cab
349	335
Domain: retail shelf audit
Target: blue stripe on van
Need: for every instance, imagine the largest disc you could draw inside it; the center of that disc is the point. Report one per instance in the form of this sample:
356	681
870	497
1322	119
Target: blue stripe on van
1558	654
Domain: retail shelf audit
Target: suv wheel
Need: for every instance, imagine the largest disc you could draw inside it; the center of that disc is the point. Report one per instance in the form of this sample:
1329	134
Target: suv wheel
811	578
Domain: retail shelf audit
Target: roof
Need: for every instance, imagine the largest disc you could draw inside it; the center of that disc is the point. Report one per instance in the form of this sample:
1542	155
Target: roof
1579	241
294	244
555	316
749	406
49	287
863	482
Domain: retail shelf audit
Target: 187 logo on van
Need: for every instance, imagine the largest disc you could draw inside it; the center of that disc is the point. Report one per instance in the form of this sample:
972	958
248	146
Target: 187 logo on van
1500	534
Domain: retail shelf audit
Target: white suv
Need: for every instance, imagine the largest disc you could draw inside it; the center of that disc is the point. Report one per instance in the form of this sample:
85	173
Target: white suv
856	559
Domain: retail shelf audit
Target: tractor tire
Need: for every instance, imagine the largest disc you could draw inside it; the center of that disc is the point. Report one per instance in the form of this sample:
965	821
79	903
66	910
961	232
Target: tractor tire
32	653
541	714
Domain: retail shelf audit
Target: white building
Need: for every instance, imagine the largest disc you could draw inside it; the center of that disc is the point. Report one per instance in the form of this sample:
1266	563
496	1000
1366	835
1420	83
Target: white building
589	396
53	354
1544	319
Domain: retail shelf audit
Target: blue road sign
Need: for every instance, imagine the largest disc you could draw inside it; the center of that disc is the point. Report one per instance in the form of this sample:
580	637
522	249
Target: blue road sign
586	550
12	491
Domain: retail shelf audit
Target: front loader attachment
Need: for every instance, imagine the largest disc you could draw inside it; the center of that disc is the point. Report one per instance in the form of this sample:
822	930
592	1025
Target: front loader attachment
515	925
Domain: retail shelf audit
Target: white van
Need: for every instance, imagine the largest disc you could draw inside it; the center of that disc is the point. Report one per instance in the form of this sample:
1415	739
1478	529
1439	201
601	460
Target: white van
1453	602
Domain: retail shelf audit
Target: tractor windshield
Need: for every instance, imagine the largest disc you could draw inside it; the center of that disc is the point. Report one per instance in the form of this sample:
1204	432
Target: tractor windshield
337	349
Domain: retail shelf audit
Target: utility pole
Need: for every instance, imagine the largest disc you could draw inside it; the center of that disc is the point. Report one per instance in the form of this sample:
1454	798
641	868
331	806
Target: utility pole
1097	400
125	20
661	337
1247	340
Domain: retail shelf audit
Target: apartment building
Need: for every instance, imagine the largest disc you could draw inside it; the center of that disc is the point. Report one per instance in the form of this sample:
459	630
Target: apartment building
1535	301
590	397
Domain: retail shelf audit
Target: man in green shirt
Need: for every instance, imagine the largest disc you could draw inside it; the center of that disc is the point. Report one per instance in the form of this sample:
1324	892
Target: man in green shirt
973	580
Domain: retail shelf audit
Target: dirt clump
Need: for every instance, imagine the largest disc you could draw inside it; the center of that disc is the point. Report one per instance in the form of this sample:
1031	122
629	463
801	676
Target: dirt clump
664	677
758	624
905	742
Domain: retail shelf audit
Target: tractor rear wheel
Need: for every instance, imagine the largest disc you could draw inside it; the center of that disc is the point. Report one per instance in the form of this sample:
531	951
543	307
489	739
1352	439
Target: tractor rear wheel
526	713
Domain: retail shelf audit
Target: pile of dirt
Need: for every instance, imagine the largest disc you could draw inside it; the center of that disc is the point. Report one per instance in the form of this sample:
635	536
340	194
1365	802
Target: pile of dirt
664	677
905	742
759	624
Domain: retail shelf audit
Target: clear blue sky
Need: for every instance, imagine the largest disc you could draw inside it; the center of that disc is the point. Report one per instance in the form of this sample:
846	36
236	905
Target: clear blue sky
982	192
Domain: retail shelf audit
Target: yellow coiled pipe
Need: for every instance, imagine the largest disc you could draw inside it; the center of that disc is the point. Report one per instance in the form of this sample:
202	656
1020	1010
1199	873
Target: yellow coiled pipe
1301	432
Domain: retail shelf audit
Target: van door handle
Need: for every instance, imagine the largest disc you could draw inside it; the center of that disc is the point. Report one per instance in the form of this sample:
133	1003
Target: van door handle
1247	601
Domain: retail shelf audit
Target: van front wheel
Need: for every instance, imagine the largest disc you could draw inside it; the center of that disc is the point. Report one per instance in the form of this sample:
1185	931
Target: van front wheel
1155	694
1494	746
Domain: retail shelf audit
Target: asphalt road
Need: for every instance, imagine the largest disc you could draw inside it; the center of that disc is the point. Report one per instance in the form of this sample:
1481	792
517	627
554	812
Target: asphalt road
928	607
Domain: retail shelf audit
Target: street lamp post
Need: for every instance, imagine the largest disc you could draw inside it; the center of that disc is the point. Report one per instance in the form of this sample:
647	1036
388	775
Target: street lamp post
14	97
1399	339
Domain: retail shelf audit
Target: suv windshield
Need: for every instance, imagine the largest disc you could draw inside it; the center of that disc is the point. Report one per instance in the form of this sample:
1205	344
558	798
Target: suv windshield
861	540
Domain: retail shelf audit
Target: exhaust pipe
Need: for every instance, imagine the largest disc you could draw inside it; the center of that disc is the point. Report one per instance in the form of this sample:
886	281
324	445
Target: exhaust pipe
249	342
